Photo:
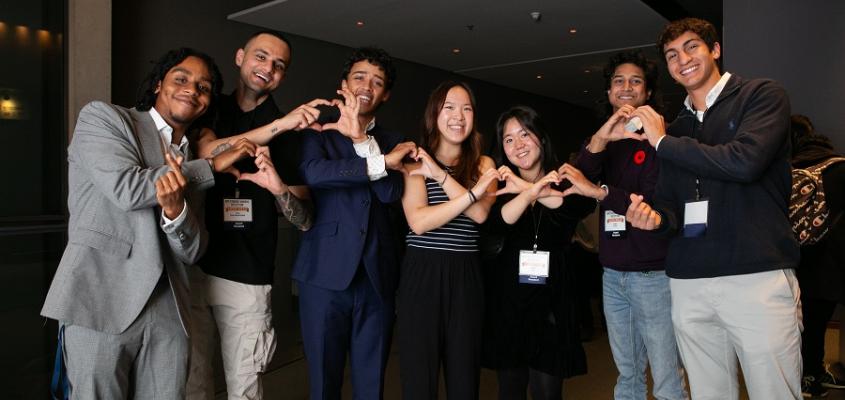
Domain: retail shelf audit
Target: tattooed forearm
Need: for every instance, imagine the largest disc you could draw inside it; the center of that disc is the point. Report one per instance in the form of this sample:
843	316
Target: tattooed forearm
221	148
274	130
299	212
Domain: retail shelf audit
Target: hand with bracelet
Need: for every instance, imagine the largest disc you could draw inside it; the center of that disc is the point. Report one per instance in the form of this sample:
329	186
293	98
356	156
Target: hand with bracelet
488	177
429	168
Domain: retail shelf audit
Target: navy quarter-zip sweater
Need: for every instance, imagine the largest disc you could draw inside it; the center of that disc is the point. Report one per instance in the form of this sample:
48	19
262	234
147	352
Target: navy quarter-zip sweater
740	156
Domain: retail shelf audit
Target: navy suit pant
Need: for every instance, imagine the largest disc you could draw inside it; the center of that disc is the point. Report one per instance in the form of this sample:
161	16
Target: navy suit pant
356	321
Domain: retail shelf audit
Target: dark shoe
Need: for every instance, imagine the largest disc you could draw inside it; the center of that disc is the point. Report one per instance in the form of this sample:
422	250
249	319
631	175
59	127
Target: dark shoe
812	388
838	371
829	381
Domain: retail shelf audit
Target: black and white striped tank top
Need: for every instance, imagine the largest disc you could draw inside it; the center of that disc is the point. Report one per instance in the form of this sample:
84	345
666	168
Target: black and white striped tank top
460	234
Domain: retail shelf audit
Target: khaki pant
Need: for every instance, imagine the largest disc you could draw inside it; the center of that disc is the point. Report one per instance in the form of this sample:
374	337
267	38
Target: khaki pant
243	318
753	318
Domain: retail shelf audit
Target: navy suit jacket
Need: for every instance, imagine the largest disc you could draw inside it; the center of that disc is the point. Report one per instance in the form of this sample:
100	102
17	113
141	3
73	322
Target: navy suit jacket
352	224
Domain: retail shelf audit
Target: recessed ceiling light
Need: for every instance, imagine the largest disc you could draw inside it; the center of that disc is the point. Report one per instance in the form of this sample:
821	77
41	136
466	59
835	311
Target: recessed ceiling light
539	76
586	91
456	50
572	30
586	71
359	24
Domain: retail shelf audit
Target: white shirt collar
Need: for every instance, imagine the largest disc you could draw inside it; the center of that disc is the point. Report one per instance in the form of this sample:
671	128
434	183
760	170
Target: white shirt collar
159	121
370	125
711	97
166	132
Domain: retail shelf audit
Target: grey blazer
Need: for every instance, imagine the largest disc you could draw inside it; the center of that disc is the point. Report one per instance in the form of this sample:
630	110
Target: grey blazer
117	247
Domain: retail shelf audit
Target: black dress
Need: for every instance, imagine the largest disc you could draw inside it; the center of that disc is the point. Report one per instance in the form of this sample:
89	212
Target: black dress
528	325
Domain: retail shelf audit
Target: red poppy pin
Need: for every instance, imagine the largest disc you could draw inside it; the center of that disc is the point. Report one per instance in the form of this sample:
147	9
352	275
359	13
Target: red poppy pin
639	157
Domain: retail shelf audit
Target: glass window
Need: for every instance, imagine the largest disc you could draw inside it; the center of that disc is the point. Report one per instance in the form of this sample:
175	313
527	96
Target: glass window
33	136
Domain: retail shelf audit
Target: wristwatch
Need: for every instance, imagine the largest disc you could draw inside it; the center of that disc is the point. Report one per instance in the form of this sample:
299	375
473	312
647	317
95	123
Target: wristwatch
606	192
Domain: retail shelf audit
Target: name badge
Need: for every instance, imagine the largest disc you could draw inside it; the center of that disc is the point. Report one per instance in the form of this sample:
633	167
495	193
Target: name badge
533	267
695	218
614	224
237	214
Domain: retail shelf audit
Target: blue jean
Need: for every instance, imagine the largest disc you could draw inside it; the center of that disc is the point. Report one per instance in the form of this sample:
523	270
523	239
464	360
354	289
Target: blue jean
637	306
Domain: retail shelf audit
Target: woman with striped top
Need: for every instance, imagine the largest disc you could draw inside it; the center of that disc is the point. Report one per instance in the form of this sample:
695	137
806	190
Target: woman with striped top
531	335
441	297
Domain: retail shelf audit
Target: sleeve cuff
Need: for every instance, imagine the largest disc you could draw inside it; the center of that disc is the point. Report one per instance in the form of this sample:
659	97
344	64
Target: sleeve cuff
367	148
656	145
375	167
166	222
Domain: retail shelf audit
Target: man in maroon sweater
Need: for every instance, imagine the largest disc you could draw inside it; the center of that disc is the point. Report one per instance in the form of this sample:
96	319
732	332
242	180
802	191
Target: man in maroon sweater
637	301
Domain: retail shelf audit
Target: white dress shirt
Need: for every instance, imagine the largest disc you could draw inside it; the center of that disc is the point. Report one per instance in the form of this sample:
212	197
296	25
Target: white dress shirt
165	132
370	150
711	97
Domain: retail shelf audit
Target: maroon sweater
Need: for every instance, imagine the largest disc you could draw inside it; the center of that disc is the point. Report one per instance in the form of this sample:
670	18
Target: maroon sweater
626	166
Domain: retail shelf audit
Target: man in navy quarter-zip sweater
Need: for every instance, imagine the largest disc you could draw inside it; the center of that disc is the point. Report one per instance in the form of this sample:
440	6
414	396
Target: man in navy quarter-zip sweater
722	197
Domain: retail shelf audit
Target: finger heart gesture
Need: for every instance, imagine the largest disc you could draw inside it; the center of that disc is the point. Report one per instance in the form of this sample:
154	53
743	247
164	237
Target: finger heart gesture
304	116
542	188
513	183
428	168
348	124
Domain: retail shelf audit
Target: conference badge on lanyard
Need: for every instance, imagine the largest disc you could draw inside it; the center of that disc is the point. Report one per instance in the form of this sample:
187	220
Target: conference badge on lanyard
237	212
533	267
614	224
695	214
533	264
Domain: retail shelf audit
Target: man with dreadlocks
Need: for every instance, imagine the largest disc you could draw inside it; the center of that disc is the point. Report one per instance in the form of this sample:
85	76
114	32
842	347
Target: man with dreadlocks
119	293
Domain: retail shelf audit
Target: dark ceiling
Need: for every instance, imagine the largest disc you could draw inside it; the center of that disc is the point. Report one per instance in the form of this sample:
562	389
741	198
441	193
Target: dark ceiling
551	48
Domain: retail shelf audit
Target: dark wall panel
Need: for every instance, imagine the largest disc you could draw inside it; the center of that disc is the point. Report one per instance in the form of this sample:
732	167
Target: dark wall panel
142	31
801	44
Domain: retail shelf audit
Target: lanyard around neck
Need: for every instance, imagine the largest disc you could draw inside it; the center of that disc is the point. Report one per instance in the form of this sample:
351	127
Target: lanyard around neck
536	223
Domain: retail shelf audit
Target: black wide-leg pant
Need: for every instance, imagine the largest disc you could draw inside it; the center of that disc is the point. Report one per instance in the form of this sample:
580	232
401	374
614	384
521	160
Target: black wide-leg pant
440	309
